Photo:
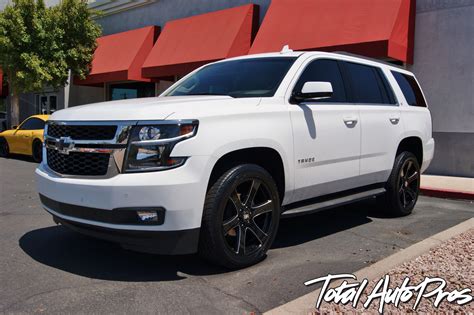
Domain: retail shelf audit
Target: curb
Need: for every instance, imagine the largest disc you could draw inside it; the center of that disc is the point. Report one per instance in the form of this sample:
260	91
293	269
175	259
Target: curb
446	193
305	304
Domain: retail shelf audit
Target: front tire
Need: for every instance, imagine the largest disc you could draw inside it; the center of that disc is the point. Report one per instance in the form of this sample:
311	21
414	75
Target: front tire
37	151
403	186
241	216
4	149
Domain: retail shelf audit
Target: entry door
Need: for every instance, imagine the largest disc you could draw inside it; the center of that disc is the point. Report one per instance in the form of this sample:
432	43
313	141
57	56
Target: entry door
47	104
380	121
326	136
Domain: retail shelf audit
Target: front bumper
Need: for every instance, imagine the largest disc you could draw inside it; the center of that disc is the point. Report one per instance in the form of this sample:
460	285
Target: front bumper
159	242
89	205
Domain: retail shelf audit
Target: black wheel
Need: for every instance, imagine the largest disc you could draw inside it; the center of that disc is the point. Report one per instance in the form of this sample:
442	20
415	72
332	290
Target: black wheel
37	151
403	186
241	216
4	149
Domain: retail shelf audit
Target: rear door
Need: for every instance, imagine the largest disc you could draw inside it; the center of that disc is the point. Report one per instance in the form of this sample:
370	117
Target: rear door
380	121
326	135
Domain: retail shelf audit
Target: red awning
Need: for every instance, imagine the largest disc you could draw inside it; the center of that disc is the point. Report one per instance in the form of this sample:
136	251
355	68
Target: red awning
119	57
374	28
188	43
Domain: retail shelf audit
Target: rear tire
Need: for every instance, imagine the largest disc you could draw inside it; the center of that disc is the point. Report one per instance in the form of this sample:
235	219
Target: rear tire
37	151
240	219
403	186
4	149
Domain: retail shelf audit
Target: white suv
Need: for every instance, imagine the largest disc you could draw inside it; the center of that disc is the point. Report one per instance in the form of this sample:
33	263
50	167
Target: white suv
214	162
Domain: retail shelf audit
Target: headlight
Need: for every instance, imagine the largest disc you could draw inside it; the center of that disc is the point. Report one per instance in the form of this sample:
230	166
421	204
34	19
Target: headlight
150	146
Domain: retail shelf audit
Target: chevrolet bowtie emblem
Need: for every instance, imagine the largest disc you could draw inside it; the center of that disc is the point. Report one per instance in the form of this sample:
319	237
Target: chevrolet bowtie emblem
64	145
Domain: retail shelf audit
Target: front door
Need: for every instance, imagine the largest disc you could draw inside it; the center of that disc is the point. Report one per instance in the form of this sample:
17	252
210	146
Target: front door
326	136
22	139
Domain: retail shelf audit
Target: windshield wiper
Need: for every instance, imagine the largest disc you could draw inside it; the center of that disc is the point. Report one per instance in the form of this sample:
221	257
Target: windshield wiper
208	93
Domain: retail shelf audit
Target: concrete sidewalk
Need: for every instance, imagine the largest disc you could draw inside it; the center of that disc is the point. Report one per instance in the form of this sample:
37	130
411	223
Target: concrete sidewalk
305	304
447	187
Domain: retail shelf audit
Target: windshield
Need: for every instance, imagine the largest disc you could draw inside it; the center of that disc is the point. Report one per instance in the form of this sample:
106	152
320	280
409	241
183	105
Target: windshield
257	77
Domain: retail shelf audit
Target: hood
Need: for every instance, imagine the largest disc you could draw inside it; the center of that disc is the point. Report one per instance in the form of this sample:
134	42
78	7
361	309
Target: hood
157	108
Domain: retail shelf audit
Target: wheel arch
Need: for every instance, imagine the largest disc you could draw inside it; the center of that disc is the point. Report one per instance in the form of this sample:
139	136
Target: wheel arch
412	144
267	157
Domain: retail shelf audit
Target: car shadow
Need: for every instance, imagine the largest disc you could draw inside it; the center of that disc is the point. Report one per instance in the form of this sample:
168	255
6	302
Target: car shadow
301	229
60	248
20	157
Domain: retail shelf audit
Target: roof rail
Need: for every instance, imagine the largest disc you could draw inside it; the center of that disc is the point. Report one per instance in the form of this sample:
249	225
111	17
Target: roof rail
369	58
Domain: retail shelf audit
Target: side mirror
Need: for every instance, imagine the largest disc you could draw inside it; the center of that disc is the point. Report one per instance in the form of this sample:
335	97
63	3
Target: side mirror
15	127
313	90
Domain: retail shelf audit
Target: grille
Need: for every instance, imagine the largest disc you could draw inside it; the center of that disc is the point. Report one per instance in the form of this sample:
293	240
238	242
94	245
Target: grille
78	163
82	132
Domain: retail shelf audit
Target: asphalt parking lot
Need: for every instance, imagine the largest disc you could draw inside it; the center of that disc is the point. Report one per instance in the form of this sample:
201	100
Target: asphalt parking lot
46	268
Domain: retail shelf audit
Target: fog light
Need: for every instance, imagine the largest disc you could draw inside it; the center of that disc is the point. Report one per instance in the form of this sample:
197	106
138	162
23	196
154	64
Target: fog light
148	216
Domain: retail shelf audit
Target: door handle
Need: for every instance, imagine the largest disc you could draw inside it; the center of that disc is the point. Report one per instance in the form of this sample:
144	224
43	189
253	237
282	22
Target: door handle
350	121
394	120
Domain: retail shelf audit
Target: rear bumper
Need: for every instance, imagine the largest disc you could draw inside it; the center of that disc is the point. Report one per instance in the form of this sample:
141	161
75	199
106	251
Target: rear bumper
154	242
428	153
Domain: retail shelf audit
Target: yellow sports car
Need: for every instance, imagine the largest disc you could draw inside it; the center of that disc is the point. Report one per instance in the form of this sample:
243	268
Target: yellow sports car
25	139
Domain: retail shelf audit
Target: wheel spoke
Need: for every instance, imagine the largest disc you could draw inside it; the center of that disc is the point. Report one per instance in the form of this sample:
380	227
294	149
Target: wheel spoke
252	192
230	224
257	231
411	193
412	178
265	207
236	200
404	198
241	243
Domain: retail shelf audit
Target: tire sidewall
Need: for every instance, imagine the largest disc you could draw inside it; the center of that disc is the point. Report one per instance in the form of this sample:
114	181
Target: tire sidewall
39	158
402	158
237	176
4	151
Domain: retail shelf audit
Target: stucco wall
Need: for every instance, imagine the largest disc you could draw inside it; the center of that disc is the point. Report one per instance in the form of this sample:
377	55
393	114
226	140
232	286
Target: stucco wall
161	11
444	50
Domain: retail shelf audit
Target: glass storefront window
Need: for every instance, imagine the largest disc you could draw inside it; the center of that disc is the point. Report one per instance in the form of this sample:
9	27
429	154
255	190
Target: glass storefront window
122	91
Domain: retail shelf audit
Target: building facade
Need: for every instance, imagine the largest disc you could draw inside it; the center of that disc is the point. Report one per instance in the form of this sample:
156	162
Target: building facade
148	44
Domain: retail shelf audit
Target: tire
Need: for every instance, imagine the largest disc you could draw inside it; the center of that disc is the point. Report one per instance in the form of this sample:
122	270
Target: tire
403	186
37	151
4	149
244	201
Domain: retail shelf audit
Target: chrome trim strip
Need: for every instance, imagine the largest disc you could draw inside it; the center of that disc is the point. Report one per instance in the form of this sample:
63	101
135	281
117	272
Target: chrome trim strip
123	122
162	141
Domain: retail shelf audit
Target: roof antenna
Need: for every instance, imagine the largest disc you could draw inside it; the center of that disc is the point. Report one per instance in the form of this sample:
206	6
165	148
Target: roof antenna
286	49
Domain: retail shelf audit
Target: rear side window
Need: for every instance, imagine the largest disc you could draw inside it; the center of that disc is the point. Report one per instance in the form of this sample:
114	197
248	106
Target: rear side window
410	88
367	85
324	70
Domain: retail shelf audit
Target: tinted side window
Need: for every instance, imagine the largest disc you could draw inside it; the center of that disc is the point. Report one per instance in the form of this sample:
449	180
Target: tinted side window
387	91
365	83
410	89
32	124
326	71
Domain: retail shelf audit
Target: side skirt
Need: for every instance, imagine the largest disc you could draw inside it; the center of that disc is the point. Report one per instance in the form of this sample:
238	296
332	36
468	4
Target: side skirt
331	201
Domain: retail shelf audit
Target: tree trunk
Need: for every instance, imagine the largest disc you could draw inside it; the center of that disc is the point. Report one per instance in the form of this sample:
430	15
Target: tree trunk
14	109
